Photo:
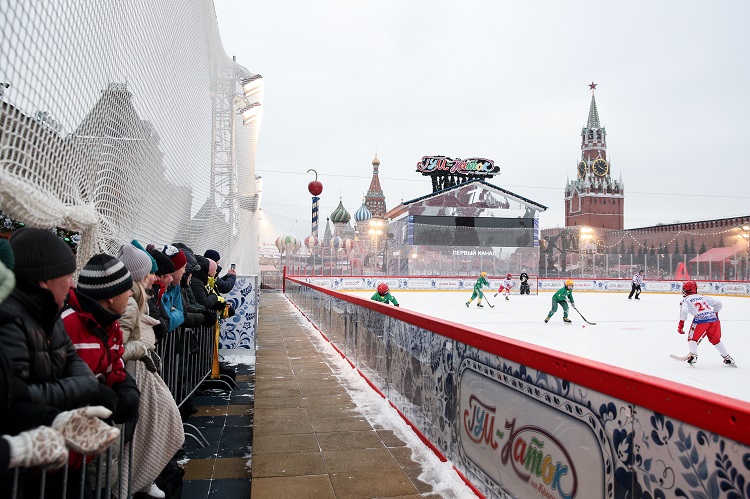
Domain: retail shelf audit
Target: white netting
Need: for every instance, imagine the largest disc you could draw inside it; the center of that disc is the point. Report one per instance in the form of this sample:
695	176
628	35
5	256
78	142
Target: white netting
128	120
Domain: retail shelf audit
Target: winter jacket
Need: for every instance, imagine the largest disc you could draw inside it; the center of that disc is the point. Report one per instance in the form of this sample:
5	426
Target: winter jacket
226	283
130	324
193	311
97	336
198	285
172	302
34	340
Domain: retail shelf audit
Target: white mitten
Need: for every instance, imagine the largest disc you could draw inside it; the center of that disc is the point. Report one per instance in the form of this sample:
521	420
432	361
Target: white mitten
84	432
42	446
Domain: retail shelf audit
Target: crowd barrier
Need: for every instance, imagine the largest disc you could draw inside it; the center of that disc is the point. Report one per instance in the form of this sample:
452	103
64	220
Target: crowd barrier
189	359
519	420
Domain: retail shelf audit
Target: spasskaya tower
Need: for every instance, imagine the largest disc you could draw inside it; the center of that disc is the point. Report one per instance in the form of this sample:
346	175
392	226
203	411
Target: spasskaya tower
593	198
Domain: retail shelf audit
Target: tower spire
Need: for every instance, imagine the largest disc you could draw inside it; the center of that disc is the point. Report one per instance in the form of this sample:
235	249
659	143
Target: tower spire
593	121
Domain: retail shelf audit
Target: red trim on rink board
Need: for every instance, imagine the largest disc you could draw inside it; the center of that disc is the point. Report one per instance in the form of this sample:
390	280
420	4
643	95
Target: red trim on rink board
709	411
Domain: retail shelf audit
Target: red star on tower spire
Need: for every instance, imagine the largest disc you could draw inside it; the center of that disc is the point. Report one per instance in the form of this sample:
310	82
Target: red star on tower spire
592	86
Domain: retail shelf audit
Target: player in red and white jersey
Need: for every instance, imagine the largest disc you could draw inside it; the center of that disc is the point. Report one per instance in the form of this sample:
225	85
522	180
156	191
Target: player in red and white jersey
705	312
506	286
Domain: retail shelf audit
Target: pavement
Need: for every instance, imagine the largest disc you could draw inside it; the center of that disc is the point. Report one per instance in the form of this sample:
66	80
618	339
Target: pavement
309	440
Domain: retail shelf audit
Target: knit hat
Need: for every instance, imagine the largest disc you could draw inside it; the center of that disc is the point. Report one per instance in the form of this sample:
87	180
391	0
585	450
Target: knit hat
213	255
6	254
191	261
103	277
138	245
41	255
163	263
136	261
178	258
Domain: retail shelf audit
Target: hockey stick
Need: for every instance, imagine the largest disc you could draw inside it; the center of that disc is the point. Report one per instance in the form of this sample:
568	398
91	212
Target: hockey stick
681	358
584	319
488	302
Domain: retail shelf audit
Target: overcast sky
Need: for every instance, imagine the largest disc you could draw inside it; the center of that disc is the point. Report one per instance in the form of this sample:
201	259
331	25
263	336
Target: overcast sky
502	80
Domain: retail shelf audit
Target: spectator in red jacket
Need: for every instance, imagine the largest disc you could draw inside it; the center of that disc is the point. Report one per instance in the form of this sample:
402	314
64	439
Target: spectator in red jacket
91	321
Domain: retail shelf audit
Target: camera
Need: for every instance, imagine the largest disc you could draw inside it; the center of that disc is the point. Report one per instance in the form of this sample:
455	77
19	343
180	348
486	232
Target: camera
232	266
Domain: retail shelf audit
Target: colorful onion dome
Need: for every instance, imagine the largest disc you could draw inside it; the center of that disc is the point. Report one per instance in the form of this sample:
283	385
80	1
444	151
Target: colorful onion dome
363	214
340	215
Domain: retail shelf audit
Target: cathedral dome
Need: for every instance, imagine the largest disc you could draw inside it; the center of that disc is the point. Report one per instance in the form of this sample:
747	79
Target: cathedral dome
340	215
376	161
363	214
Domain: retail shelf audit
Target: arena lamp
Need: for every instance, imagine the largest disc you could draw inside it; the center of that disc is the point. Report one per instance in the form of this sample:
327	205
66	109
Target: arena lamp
252	85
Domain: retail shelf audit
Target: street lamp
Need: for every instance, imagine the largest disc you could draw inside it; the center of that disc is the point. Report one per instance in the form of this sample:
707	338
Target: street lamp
375	230
746	235
585	238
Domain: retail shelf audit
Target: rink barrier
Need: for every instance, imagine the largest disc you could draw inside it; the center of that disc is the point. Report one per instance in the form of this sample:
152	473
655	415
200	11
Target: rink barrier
521	420
463	283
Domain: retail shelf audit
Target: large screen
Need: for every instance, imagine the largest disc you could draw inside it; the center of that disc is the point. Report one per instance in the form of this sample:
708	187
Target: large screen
473	231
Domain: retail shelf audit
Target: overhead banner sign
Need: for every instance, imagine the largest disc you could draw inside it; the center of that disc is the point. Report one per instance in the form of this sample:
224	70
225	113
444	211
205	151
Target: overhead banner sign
470	167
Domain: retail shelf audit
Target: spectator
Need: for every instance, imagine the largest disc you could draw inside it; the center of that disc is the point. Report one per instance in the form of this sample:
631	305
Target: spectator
172	299
195	313
31	332
92	324
35	434
159	425
200	288
164	270
226	283
213	269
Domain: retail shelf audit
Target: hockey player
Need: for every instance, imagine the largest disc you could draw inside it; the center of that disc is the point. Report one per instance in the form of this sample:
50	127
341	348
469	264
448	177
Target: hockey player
559	298
506	286
383	295
525	283
705	312
636	288
482	281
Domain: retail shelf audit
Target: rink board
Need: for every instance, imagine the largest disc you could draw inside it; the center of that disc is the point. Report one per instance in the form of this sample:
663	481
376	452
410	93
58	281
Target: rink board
519	420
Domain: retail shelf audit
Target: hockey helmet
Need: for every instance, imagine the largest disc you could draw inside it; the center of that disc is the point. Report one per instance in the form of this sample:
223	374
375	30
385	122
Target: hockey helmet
484	274
509	276
382	288
689	288
569	282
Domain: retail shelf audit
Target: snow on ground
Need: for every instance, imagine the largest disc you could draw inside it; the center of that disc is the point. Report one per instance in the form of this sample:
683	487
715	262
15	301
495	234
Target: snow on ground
379	413
635	335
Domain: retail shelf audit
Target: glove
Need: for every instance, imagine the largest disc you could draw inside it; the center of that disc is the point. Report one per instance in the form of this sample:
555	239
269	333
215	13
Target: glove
128	400
155	359
680	326
84	431
107	397
573	305
42	446
149	363
209	318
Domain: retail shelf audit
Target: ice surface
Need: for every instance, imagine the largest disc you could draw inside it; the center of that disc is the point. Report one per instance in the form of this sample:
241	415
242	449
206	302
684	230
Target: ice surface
636	335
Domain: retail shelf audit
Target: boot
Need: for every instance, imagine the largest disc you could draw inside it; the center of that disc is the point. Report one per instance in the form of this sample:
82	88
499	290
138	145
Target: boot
155	491
567	321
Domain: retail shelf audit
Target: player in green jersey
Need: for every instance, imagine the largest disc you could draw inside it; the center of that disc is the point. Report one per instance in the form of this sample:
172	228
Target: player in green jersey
383	295
482	281
566	292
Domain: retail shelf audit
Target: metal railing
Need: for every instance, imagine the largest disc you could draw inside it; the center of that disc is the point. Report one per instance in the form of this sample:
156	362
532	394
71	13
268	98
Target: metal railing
188	356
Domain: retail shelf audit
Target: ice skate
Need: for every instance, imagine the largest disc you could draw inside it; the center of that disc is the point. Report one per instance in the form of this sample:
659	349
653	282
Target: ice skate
546	320
729	361
467	304
692	358
507	298
567	321
495	295
479	305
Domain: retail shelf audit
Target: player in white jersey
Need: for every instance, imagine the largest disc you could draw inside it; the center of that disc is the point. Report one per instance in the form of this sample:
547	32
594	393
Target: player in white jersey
636	288
506	286
705	312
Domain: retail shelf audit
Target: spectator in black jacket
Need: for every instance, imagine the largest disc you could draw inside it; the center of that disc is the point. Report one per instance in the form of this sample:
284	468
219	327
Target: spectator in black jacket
31	332
226	283
195	313
199	286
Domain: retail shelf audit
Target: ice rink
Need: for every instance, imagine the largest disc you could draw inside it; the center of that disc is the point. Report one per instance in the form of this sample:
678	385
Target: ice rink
635	335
